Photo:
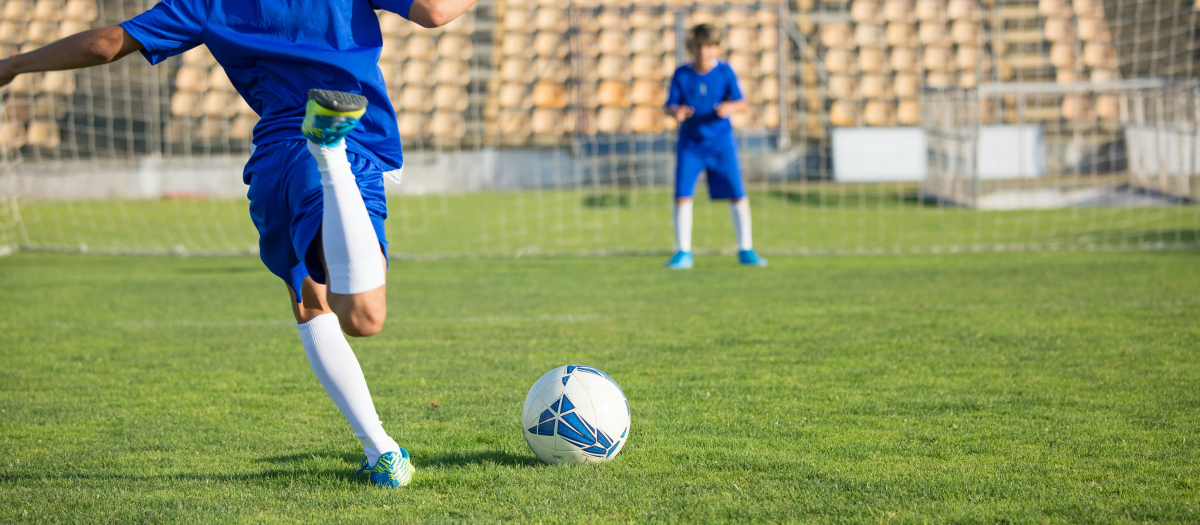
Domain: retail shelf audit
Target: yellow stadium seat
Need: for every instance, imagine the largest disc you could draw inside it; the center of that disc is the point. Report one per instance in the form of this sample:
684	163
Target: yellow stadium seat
43	134
611	120
447	124
646	119
549	95
613	94
12	135
48	10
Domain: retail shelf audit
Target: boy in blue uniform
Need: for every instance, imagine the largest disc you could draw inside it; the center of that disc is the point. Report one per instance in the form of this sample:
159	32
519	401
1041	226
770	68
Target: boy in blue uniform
326	139
703	95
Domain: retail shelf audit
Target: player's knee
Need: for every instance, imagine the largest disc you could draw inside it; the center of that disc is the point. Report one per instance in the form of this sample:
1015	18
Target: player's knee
363	323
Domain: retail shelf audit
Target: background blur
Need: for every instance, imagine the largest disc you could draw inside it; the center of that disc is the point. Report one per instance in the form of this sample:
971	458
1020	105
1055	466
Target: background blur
534	127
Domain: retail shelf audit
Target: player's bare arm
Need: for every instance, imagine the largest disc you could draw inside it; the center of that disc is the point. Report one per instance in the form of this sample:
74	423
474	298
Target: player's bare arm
435	13
89	48
729	107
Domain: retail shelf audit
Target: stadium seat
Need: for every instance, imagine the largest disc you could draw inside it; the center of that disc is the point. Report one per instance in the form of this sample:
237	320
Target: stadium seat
929	10
873	87
548	94
43	134
191	78
876	113
242	127
908	113
419	47
418	72
447	124
841	114
12	134
47	10
611	120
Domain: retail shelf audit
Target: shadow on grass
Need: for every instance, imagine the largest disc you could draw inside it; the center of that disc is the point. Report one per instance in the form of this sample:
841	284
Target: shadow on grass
849	197
483	457
266	475
348	457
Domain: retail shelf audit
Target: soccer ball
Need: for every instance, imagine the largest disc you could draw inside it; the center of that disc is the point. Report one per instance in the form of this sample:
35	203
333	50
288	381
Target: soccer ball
575	414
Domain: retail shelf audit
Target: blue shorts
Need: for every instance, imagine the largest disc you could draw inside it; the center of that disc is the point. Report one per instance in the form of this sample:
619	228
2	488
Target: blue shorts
287	204
723	168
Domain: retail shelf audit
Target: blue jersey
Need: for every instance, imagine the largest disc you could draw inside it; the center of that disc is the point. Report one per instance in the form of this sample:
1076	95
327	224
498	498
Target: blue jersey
703	93
274	51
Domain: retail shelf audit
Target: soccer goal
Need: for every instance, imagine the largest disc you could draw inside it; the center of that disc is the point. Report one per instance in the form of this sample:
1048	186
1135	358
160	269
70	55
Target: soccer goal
1116	152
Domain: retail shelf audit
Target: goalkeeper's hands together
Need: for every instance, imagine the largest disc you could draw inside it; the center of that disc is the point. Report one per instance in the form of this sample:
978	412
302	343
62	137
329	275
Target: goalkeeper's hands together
729	107
681	113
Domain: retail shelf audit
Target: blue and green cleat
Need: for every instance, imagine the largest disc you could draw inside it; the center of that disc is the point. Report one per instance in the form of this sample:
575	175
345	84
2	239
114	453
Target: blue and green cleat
392	470
681	261
749	258
331	115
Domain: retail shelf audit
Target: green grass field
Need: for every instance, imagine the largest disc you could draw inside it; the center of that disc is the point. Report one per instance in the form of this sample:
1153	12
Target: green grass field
812	217
1018	388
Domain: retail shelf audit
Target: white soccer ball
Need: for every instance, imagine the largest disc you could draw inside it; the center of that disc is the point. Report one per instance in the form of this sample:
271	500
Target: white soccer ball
575	414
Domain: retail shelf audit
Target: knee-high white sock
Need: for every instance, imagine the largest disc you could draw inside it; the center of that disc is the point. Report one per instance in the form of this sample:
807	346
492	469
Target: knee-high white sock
683	225
336	367
739	210
351	247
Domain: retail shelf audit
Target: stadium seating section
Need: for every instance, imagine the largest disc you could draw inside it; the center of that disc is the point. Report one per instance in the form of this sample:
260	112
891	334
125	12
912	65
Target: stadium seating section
537	72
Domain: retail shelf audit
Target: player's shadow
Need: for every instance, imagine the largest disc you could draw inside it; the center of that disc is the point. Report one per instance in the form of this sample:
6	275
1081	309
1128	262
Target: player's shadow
347	457
422	458
481	457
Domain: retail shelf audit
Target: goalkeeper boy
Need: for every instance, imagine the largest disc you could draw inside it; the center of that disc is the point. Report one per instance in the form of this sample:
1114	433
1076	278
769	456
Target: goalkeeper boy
702	97
326	138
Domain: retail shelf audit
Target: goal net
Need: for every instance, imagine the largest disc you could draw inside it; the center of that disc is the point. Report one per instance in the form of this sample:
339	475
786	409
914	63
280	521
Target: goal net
535	127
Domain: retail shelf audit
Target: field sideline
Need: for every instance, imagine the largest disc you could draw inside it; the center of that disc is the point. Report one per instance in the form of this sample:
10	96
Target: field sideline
1009	387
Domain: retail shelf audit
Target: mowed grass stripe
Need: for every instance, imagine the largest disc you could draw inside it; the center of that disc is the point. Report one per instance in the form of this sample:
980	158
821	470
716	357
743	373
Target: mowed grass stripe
987	387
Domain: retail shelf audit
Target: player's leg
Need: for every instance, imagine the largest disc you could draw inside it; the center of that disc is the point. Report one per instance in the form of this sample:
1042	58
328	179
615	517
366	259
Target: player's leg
349	245
338	370
285	195
725	182
687	172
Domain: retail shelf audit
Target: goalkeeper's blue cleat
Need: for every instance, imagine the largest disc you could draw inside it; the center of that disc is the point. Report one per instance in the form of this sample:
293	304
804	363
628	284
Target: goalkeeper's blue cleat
681	261
749	258
331	115
391	471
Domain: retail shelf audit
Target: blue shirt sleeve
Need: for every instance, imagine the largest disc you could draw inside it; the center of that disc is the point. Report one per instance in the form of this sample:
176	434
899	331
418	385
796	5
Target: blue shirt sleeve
169	28
675	94
734	92
400	7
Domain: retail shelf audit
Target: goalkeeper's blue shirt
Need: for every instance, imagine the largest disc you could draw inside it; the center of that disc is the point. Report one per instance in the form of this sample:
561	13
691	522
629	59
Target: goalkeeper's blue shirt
274	51
702	93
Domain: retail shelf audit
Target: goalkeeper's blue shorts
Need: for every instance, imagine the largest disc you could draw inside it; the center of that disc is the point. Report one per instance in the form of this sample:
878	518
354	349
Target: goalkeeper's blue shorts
722	167
287	203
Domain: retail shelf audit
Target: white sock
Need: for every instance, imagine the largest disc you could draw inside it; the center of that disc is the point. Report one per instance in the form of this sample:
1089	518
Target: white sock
336	367
351	247
683	225
739	210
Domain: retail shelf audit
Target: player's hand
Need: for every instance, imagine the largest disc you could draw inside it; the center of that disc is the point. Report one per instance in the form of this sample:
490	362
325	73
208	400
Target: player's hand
725	109
683	112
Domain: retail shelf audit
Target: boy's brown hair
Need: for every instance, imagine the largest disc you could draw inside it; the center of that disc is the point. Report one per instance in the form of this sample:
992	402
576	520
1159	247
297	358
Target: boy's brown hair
704	35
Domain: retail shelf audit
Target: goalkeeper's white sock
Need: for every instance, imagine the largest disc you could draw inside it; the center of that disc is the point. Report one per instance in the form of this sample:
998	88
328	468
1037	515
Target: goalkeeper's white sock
352	253
739	210
336	367
683	225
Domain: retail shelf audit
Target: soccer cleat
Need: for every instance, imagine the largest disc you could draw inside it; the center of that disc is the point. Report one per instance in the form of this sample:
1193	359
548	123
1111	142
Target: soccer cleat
681	261
749	258
390	471
331	115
